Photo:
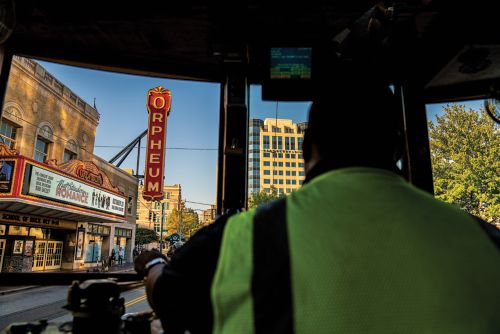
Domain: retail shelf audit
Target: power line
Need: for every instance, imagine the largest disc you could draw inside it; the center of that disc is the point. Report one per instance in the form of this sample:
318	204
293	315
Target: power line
167	148
198	203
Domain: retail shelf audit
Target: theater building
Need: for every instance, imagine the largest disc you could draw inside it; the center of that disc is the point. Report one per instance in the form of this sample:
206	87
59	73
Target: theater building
61	207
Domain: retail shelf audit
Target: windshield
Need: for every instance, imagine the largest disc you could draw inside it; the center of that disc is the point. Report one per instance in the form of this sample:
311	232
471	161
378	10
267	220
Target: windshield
465	154
275	162
64	207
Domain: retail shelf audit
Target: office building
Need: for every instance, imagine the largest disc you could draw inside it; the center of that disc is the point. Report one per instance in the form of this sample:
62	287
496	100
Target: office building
275	159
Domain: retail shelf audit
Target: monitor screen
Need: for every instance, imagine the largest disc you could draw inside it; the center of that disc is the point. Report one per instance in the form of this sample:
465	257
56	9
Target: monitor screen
290	63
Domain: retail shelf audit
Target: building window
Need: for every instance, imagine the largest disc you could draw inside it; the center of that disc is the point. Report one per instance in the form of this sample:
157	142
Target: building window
280	164
280	155
287	173
287	181
280	143
275	181
294	173
275	172
266	142
157	228
267	172
275	143
267	163
168	195
280	181
8	134
294	182
68	155
292	144
301	174
287	164
41	149
267	155
301	164
299	140
267	181
70	151
43	140
287	156
294	164
267	190
293	156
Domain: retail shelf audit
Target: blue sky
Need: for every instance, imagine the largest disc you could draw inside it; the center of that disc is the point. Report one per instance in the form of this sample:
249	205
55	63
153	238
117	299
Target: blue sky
437	108
193	122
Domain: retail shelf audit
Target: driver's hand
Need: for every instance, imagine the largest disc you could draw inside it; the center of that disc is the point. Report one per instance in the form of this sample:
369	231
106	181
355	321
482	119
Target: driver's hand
143	258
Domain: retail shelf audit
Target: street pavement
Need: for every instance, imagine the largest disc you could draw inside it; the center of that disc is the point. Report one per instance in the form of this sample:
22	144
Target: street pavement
28	304
128	267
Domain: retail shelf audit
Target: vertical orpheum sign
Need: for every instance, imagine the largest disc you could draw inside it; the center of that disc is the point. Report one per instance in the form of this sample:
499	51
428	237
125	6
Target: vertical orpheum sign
158	104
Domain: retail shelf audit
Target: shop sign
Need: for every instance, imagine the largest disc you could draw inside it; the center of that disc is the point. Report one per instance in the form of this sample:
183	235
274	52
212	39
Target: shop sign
158	104
54	186
88	176
8	217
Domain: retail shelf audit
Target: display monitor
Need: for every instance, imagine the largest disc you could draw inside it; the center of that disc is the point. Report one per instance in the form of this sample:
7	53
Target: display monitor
288	73
291	63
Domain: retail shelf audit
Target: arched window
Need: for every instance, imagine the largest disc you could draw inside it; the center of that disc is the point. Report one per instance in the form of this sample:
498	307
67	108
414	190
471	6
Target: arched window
70	151
10	124
44	139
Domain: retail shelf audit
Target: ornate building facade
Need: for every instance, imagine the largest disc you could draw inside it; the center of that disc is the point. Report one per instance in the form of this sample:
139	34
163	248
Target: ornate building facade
61	207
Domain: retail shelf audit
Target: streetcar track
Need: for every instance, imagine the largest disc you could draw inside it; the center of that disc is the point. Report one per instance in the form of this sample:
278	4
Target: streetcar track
48	311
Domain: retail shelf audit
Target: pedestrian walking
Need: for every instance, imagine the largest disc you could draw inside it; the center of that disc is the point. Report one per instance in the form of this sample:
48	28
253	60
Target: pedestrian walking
121	255
112	257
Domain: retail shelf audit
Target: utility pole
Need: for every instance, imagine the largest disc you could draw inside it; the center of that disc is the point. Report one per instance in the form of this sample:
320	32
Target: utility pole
180	216
161	226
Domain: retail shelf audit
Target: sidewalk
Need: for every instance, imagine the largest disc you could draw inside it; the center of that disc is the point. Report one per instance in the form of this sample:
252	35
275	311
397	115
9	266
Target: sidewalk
127	267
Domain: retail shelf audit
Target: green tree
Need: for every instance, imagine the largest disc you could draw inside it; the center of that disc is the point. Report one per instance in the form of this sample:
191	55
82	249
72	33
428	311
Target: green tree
465	151
190	222
257	198
145	236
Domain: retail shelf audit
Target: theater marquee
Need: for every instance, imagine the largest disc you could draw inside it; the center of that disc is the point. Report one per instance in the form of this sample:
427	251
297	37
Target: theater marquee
158	104
47	184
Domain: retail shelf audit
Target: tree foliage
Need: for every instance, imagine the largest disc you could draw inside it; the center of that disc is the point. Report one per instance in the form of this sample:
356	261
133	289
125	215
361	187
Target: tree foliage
190	222
257	198
145	236
465	151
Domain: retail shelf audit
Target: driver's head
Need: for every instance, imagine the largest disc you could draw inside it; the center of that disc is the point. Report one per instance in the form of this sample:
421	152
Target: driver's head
353	121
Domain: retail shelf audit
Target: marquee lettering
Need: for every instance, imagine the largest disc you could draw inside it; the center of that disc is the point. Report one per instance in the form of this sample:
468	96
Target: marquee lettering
158	103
